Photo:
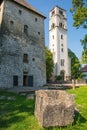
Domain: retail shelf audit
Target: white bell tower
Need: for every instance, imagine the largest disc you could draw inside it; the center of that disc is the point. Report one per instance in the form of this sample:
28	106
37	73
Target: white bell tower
58	41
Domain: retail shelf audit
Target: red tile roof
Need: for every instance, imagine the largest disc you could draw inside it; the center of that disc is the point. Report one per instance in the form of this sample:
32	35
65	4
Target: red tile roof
28	6
84	69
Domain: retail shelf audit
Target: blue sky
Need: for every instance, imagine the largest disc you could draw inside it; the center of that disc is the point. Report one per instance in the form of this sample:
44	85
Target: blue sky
74	35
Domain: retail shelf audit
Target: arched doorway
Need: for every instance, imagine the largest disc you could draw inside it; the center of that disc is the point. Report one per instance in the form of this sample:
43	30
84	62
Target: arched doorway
62	73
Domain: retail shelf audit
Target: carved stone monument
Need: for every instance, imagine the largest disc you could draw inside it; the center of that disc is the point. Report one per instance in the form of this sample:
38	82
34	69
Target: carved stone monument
54	108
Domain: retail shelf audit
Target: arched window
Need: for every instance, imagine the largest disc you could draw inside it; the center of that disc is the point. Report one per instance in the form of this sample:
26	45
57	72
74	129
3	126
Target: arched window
53	25
61	36
61	25
25	29
62	62
61	49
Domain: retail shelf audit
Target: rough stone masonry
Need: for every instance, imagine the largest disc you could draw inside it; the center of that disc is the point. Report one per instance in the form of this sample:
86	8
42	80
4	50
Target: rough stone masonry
22	45
54	108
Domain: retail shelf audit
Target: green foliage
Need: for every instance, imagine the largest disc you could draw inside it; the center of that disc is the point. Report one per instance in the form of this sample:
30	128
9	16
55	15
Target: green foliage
84	52
84	42
84	57
49	63
58	78
79	10
75	65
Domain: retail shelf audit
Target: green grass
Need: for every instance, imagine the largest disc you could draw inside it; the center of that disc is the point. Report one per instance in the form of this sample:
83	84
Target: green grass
19	114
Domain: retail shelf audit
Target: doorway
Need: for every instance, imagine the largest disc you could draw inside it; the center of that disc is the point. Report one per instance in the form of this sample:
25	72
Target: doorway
62	73
15	80
28	80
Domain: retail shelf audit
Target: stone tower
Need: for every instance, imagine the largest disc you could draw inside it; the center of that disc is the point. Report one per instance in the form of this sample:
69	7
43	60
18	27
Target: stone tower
58	42
22	45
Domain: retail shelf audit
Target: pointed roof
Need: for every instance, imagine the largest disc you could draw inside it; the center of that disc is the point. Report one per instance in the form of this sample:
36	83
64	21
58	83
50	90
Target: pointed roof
58	7
28	6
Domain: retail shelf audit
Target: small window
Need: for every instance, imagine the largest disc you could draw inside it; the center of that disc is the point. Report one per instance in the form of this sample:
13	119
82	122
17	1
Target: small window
61	49
61	12
35	19
53	36
33	59
39	33
15	80
1	44
11	22
20	12
25	58
62	45
61	36
25	29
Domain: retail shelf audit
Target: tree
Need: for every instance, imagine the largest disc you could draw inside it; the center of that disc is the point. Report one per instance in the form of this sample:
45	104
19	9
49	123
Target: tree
75	65
84	42
49	63
79	10
84	57
84	52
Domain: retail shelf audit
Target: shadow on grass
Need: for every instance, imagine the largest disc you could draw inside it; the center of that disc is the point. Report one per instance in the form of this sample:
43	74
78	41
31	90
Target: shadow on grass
12	112
78	119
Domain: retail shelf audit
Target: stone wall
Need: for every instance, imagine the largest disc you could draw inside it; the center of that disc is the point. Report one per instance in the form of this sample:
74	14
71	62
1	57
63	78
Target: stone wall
14	43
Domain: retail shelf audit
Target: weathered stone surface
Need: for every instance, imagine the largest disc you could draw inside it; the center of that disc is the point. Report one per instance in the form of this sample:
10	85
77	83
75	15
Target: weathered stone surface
54	108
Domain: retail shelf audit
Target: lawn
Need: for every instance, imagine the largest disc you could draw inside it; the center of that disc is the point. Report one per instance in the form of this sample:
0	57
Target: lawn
17	112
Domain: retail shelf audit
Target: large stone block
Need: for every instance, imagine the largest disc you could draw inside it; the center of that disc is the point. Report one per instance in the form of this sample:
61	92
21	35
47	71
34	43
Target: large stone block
54	108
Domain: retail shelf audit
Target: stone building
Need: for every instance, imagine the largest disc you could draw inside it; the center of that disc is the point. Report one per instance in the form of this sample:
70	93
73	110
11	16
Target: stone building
22	48
58	42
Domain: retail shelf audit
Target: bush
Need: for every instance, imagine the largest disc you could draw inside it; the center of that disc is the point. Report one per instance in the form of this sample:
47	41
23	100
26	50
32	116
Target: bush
58	78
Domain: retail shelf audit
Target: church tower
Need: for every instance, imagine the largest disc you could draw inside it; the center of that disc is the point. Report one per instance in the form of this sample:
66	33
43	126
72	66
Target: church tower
58	42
